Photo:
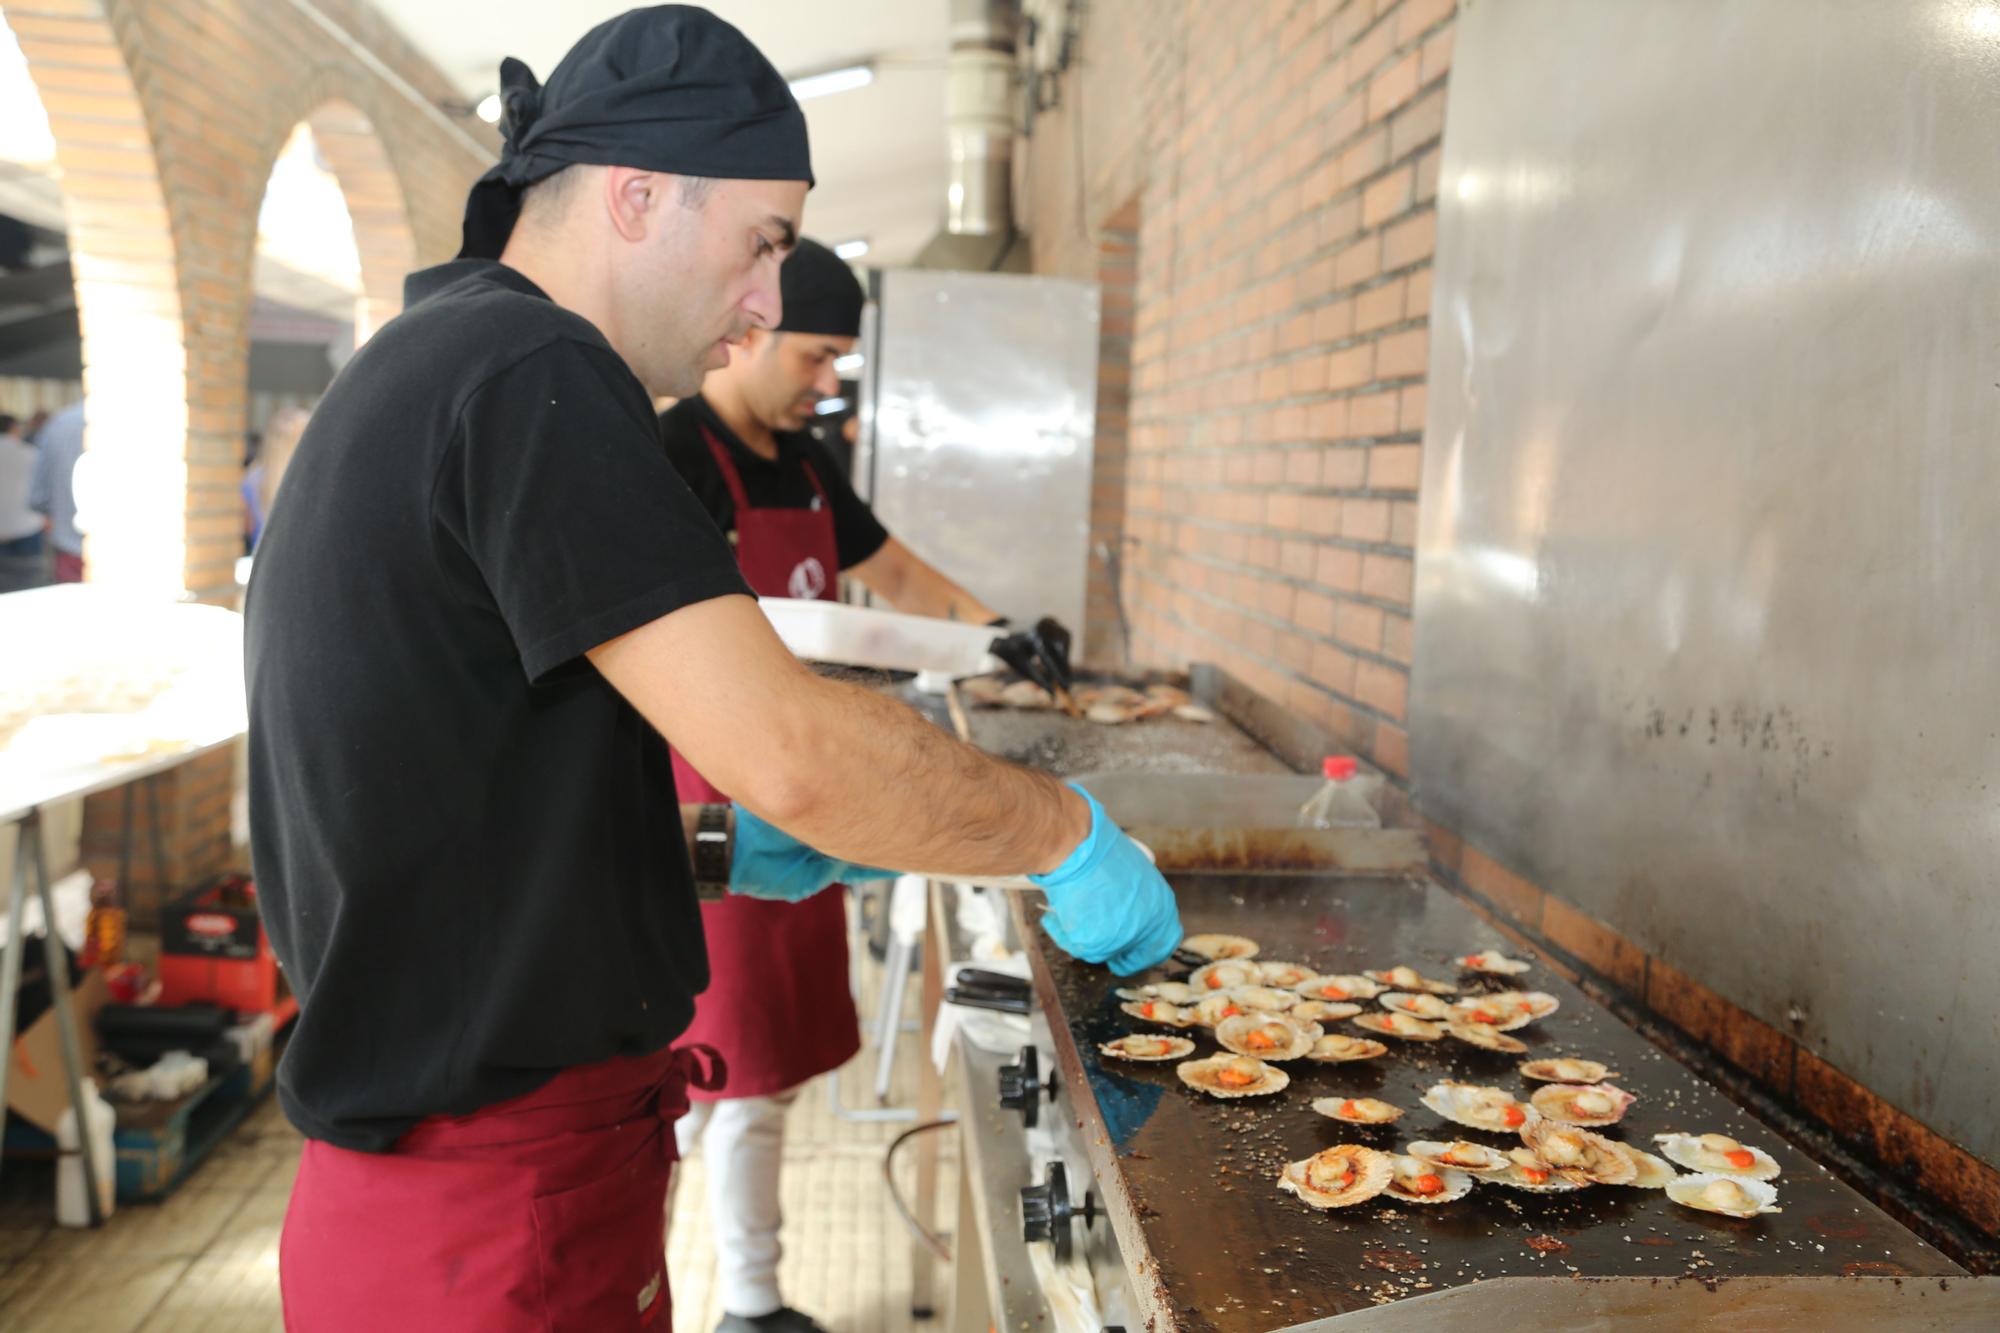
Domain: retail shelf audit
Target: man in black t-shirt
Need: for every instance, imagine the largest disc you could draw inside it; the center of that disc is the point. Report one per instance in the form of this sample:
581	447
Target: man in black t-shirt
479	605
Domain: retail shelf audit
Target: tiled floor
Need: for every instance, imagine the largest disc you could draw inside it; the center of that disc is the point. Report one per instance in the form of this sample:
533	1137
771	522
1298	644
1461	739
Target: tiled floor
206	1260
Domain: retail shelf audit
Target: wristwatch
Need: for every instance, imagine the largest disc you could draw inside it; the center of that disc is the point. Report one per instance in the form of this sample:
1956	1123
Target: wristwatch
712	852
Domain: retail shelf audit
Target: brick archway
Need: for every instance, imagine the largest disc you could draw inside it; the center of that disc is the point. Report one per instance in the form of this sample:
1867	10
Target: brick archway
375	202
126	269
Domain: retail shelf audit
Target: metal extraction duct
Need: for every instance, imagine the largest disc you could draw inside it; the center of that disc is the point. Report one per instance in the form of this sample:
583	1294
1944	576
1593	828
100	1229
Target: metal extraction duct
979	232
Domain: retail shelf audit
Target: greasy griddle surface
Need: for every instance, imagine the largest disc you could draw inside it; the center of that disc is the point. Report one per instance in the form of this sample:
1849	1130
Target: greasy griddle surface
1229	1252
1067	747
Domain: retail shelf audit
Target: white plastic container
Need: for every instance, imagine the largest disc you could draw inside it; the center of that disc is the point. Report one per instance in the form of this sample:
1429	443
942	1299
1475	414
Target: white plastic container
1347	800
72	1209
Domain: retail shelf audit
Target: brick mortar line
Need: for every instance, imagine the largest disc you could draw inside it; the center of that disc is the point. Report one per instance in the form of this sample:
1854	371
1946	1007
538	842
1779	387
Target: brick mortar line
1359	654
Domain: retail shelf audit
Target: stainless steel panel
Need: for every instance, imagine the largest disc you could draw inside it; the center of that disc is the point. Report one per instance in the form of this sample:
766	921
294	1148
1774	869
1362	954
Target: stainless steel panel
1707	606
978	435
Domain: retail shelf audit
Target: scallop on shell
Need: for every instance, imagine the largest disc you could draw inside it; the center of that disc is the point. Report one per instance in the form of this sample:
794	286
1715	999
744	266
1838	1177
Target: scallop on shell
1493	961
1580	1155
1525	1171
1267	1036
1400	1025
1565	1070
1655	1173
1322	1011
1339	1048
1480	1107
1026	694
1212	1009
1501	1018
1475	1158
1342	1175
1588	1104
1339	987
1161	1012
1216	948
1412	1181
1194	713
1486	1036
1141	1046
1709	1153
1224	974
1535	1004
1266	999
1233	1076
1732	1196
1408	978
1422	1004
1173	992
1283	975
1357	1110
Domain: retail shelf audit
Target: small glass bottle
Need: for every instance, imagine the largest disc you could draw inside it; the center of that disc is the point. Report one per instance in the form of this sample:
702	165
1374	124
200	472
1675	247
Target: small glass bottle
1347	799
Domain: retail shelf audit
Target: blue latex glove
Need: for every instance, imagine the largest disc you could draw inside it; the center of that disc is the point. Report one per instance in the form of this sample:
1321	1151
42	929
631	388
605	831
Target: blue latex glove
1108	903
770	863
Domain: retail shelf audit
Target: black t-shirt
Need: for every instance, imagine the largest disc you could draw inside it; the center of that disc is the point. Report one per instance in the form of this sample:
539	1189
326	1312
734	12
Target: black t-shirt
778	483
467	845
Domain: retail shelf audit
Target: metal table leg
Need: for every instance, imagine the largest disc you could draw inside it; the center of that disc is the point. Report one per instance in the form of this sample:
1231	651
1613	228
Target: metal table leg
930	1102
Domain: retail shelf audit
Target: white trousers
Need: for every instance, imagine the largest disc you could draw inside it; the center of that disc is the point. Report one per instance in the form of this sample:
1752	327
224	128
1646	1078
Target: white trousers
743	1142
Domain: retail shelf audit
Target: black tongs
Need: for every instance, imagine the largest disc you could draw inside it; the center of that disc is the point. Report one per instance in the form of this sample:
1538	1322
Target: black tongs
1041	654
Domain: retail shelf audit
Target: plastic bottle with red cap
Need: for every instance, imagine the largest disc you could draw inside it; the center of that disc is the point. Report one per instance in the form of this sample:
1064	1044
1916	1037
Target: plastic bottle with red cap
1348	798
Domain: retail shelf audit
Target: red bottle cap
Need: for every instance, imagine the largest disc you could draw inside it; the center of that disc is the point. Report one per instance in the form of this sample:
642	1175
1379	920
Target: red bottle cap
1340	767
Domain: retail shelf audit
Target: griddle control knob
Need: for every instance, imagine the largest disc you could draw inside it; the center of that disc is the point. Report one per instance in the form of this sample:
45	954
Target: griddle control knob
1022	1088
1046	1211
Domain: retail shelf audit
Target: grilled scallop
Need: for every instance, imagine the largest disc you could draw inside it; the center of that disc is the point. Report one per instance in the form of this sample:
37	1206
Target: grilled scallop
1474	1158
1217	948
1507	1005
1173	992
1655	1173
1233	1076
1422	1005
1408	978
1343	1175
1412	1181
1321	1011
1025	694
1485	1108
1493	961
1140	1046
1565	1070
1212	1009
1194	713
1283	975
1159	1011
1485	1036
1400	1025
1357	1110
1718	1155
1339	1048
1526	1171
1267	1036
1733	1196
1264	999
1591	1104
1578	1154
1339	987
1224	974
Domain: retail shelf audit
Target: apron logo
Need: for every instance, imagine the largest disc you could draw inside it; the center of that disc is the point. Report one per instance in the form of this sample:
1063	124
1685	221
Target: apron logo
808	580
649	1294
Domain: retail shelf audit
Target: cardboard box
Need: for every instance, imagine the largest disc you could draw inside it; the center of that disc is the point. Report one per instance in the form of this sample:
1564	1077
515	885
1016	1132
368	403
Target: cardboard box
36	1088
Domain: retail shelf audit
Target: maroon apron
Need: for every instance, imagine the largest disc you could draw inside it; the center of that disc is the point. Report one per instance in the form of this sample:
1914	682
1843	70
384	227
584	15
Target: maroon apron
777	1005
545	1212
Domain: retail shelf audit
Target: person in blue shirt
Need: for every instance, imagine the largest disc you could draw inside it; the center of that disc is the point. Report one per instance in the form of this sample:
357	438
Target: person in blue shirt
52	493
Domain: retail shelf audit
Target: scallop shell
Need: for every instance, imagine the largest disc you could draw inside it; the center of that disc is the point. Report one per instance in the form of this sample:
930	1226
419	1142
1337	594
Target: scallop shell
1128	1048
1690	1192
1370	1176
1499	1018
1212	1009
1556	1101
1224	974
1172	694
1460	1156
1267	999
1480	1107
1173	992
981	690
1493	961
1654	1172
1027	695
1486	1036
1534	1003
1408	978
1400	1025
1161	1012
1283	975
1201	1076
1215	948
1194	713
1563	1069
1422	1005
1457	1184
1370	1111
1339	986
1238	1034
1339	1048
1110	714
1322	1011
1687	1150
1515	1177
1598	1160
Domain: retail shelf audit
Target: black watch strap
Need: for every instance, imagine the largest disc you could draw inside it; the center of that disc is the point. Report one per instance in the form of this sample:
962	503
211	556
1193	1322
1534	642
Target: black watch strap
712	852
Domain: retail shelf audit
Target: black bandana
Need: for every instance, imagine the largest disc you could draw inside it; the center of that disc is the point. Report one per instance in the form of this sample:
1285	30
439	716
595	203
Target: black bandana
820	293
672	88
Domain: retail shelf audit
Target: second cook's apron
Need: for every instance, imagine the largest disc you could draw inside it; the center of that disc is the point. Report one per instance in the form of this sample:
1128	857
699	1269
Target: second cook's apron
777	1005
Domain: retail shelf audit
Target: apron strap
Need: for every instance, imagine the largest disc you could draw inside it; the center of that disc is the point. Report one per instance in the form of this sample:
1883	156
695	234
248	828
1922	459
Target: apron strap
818	489
730	476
